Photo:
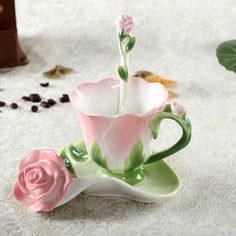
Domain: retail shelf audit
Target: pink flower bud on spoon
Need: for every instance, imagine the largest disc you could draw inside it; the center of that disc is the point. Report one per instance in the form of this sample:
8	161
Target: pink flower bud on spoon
125	23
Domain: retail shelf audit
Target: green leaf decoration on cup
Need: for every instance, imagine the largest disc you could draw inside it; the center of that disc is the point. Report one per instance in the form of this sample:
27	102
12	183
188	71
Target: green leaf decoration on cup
226	54
136	157
97	156
126	43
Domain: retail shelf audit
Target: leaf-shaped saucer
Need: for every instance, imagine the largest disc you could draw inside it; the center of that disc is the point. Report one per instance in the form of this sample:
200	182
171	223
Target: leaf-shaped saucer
160	180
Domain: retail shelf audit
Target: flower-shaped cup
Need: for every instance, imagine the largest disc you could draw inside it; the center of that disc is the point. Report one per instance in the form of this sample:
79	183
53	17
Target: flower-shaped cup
121	143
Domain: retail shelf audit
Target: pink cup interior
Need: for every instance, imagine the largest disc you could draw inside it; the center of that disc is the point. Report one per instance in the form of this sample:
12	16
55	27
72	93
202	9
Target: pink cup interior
102	97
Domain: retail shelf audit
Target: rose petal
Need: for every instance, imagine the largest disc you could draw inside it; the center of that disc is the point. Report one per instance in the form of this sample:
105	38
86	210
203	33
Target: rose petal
35	168
177	108
49	199
33	157
68	179
42	206
130	22
41	185
21	182
20	196
38	190
128	28
51	155
125	23
58	175
124	17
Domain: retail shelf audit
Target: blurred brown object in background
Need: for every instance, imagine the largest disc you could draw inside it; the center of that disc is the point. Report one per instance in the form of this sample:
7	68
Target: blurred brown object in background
10	51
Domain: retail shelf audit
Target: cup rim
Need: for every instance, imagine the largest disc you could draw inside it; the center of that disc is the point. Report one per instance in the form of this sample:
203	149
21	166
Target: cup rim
155	109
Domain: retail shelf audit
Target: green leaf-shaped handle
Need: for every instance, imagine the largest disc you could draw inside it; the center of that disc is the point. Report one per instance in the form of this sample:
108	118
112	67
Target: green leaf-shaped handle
181	118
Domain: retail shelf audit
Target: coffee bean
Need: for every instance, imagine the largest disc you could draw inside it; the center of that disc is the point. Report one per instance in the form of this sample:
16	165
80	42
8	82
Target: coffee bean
2	104
34	108
26	98
51	102
44	104
35	97
64	98
44	84
14	106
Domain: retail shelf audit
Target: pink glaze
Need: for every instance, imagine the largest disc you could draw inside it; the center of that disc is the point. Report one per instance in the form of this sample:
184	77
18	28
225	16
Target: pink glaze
42	180
125	23
177	108
116	134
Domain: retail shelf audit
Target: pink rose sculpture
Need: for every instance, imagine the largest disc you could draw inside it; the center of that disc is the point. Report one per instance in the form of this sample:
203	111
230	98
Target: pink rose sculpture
42	181
126	23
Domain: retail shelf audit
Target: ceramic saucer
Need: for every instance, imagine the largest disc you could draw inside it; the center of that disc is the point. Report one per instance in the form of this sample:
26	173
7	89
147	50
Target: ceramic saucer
160	181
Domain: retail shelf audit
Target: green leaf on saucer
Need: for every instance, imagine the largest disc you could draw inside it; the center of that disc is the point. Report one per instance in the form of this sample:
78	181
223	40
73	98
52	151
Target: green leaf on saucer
136	157
122	73
130	44
97	156
78	152
226	53
67	162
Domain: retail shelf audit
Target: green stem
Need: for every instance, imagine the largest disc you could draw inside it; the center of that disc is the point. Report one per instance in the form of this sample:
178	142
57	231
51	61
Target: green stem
123	83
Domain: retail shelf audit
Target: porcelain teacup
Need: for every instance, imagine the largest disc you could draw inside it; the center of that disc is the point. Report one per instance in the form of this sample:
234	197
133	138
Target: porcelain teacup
120	143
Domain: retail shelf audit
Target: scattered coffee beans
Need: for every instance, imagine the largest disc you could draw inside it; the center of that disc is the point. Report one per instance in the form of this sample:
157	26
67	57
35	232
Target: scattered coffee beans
26	98
44	84
51	102
34	108
64	98
14	106
44	104
35	97
2	104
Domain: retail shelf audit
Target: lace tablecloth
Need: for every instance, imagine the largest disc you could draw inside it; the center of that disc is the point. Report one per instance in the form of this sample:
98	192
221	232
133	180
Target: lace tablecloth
176	39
